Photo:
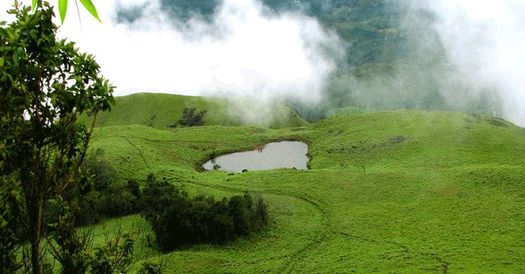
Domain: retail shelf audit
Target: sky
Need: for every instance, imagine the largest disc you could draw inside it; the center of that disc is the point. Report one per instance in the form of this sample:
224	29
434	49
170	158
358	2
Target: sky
248	51
244	51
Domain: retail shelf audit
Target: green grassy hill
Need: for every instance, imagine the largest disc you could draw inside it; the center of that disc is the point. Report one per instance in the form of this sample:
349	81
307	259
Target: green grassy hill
163	110
390	192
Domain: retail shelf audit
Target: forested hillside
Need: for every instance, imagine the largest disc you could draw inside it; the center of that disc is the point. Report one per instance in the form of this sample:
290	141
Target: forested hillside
370	28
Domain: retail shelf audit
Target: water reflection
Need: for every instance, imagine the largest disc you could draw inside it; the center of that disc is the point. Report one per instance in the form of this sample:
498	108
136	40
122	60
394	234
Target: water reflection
286	154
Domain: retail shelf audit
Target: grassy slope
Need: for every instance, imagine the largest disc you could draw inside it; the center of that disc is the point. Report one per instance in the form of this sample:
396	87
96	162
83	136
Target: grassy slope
163	110
450	198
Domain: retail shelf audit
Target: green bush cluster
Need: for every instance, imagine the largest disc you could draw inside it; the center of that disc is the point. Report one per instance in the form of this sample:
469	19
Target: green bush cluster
191	118
104	197
177	219
150	268
108	196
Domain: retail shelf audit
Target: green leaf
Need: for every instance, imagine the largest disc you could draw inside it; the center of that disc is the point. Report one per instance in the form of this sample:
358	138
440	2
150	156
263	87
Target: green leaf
33	6
91	8
1	62
62	9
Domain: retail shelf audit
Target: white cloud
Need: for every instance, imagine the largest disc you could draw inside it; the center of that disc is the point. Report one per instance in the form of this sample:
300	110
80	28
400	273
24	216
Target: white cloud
485	41
244	51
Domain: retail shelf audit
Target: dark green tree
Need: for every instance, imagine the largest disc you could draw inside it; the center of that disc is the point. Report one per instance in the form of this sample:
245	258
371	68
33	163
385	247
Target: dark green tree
191	118
177	219
45	85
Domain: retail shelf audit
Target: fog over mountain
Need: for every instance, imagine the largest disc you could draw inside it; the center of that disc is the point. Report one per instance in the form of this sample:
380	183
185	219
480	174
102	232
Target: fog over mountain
324	57
484	40
245	49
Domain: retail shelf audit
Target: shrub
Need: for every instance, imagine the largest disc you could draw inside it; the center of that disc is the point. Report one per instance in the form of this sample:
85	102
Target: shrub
191	117
101	171
10	223
109	197
104	196
117	201
115	256
177	219
134	188
150	268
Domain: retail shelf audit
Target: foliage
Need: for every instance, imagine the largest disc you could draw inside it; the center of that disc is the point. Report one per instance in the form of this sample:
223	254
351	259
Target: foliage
102	172
191	118
72	247
176	219
45	84
10	221
150	268
62	7
115	256
69	246
108	197
117	200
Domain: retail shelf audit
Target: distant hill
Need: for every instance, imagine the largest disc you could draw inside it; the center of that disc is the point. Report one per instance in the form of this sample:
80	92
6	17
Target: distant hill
393	57
370	29
163	110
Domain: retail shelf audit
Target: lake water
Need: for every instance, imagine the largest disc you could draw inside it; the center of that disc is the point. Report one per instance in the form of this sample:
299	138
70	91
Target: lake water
286	154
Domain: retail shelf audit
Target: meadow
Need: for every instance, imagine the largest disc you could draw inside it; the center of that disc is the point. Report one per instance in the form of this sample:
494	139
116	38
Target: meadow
407	191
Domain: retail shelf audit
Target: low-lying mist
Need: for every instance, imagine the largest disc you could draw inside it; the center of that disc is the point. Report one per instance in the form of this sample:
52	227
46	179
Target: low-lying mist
460	55
244	52
485	42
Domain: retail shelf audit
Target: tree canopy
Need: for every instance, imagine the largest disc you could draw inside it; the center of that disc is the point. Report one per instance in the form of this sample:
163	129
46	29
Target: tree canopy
45	85
63	4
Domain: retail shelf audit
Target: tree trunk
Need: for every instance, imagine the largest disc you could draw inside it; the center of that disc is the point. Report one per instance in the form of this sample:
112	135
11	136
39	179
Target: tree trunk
36	209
